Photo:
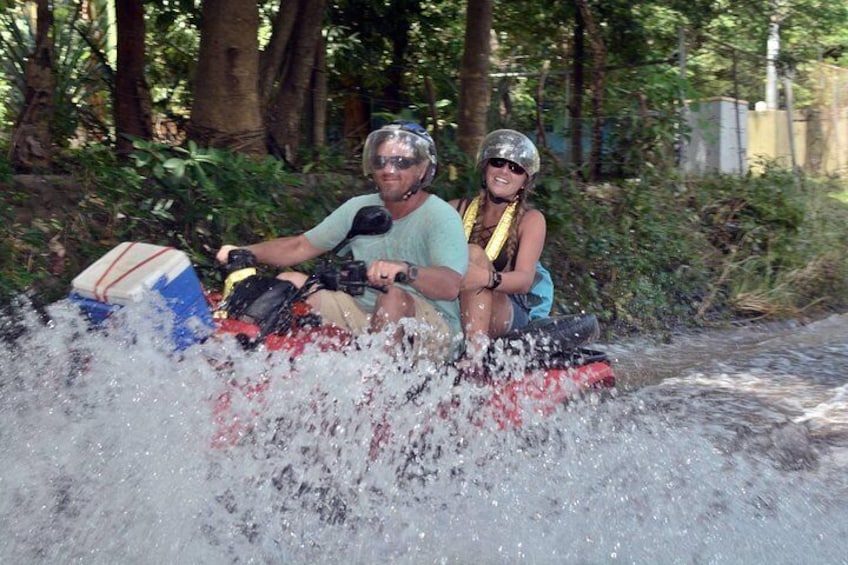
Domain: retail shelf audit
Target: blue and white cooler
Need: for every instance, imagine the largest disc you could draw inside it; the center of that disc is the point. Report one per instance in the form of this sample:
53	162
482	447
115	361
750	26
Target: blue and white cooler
131	272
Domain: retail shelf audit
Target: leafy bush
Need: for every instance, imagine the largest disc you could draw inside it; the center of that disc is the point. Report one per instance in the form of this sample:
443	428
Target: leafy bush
655	254
645	255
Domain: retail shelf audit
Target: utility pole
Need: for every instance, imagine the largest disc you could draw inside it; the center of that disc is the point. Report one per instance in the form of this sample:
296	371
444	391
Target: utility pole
772	53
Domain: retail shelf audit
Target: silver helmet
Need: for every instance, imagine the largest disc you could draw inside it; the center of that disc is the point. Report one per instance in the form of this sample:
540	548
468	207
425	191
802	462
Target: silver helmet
510	145
411	134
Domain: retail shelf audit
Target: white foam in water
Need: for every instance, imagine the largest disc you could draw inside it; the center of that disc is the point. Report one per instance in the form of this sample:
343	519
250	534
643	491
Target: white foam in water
113	452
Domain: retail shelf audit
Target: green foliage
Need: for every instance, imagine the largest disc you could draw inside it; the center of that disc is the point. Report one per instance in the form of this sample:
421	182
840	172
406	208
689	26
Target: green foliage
175	166
623	251
383	54
189	197
648	124
655	255
6	169
649	255
795	258
15	39
198	199
15	275
82	78
173	42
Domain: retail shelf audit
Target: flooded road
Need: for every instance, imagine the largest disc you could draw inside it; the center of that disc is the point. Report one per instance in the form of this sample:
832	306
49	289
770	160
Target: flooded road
730	447
642	361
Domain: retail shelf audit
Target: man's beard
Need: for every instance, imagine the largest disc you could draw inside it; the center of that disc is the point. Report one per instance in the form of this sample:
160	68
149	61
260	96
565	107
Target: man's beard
392	196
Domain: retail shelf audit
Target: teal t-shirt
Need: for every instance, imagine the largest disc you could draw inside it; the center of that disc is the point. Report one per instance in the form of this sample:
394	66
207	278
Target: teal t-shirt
431	236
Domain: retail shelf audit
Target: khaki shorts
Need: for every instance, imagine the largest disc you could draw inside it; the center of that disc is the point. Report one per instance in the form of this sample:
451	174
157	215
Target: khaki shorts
431	331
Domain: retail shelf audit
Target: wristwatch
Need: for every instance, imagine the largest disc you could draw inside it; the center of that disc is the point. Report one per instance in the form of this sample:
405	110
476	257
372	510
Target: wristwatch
411	271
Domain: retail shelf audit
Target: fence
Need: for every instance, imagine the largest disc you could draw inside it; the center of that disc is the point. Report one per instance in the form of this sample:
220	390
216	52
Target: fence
727	137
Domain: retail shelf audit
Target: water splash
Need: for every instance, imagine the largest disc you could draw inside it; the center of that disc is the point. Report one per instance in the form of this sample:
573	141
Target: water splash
112	451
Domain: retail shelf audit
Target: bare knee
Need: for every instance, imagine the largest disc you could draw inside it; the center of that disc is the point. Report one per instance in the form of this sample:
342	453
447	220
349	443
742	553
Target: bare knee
477	256
394	304
298	279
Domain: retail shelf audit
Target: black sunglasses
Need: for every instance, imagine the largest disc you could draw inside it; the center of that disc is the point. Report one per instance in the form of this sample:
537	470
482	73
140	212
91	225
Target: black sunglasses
499	163
399	163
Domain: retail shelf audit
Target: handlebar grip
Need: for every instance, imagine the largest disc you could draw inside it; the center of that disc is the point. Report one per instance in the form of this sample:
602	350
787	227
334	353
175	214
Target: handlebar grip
240	258
399	278
241	264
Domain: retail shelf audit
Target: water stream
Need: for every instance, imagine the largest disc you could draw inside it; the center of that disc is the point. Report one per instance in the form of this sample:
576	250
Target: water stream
730	447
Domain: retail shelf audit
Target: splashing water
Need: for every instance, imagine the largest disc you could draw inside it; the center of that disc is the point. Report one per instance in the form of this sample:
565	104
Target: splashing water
116	449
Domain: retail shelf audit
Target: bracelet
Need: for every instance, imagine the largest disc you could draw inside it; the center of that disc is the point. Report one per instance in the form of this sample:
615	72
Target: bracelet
496	280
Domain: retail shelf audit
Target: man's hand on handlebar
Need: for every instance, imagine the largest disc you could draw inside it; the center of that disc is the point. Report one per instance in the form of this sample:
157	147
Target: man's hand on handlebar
382	273
224	253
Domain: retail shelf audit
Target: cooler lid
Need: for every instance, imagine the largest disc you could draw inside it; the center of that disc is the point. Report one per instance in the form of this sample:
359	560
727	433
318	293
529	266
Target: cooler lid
128	271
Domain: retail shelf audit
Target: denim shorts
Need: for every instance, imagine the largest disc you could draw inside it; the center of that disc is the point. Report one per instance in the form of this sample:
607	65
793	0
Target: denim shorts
520	312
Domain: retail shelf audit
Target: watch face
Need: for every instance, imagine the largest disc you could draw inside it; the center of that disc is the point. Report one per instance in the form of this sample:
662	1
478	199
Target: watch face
411	271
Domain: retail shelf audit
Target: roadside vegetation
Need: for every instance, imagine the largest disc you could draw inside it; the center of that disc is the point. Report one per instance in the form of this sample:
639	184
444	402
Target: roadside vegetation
190	123
649	255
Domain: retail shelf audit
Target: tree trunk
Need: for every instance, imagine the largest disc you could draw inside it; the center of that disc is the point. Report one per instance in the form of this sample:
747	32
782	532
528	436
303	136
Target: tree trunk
598	63
226	111
319	97
133	105
356	114
284	119
430	90
395	96
772	53
575	107
474	95
32	141
271	59
541	138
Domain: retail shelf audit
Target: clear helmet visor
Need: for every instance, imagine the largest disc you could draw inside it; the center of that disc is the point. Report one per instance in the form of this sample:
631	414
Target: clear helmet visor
510	145
403	147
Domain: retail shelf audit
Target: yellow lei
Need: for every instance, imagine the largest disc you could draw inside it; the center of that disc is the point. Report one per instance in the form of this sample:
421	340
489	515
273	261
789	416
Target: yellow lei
501	233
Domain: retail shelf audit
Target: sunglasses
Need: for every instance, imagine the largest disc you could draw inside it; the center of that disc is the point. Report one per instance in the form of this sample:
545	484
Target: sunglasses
499	163
399	163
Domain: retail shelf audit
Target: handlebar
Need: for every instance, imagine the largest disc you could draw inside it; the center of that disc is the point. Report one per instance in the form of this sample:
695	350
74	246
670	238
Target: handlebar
348	276
271	303
351	277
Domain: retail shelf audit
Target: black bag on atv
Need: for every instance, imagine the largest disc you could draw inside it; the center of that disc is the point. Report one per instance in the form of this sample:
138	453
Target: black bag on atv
264	301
